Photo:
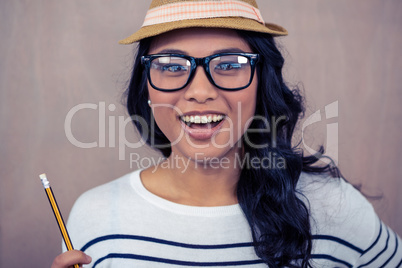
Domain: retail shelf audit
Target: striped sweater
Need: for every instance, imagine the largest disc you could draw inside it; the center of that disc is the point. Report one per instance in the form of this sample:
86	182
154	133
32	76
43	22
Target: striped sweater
122	224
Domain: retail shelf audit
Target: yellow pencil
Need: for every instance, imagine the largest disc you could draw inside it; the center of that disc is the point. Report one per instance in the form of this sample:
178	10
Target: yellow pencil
57	213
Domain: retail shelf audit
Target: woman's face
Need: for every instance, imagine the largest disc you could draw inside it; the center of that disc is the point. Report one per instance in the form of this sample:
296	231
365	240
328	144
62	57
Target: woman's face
200	101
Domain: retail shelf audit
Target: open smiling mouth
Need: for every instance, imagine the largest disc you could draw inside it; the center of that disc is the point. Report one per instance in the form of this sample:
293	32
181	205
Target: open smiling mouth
202	121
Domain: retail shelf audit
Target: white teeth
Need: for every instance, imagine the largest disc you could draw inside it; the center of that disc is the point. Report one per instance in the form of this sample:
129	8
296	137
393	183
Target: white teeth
217	118
202	119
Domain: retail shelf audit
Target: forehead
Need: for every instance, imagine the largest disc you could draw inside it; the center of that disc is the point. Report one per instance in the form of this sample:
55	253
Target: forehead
199	41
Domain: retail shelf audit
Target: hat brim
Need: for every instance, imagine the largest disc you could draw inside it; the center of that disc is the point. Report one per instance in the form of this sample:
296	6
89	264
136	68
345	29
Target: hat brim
228	22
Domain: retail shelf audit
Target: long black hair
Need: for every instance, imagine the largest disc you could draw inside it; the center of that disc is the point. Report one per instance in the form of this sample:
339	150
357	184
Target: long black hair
278	218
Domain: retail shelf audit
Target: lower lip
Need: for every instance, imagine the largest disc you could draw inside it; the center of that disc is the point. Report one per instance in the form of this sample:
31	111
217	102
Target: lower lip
202	133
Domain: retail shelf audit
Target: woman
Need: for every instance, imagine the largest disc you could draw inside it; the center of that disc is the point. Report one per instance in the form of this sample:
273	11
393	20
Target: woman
207	91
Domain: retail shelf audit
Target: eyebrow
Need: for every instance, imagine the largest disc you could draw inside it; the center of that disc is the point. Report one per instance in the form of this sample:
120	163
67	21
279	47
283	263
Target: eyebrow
178	51
234	49
172	51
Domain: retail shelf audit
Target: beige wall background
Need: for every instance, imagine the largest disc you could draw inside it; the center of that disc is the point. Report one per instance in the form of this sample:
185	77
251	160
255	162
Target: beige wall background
55	55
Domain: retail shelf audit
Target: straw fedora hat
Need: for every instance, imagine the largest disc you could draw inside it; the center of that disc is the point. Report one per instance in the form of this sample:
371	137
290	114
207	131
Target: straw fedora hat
167	15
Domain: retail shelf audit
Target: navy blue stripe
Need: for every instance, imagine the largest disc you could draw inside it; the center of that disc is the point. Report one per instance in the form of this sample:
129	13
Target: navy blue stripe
379	254
393	254
338	240
331	258
399	264
376	240
161	241
176	262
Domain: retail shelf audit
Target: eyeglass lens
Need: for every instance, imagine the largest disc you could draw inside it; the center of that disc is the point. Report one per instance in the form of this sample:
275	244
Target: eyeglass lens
227	71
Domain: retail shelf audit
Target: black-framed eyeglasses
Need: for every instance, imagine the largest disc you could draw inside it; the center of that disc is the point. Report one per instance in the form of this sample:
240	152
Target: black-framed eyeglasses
226	71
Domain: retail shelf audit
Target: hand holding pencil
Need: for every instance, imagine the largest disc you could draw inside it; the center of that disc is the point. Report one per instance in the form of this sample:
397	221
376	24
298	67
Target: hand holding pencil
72	257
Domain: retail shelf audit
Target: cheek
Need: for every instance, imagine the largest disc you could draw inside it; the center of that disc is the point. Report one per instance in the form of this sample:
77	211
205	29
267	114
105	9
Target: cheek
247	100
164	118
164	110
247	115
162	99
242	104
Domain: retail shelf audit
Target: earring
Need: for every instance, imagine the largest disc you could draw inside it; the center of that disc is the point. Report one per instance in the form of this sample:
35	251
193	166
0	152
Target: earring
149	102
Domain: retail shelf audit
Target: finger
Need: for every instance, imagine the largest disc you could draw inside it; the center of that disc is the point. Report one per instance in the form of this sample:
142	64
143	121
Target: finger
70	258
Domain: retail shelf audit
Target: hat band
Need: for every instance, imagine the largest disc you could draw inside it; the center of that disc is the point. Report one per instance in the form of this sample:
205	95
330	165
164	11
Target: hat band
190	10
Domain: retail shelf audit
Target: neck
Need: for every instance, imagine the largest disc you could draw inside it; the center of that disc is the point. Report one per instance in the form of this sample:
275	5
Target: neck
194	182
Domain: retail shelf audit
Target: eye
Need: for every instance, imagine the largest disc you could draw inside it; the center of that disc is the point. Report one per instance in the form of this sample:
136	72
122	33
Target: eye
174	68
227	66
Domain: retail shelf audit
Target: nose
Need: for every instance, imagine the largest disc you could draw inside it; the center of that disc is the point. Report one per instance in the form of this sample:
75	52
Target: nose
200	89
